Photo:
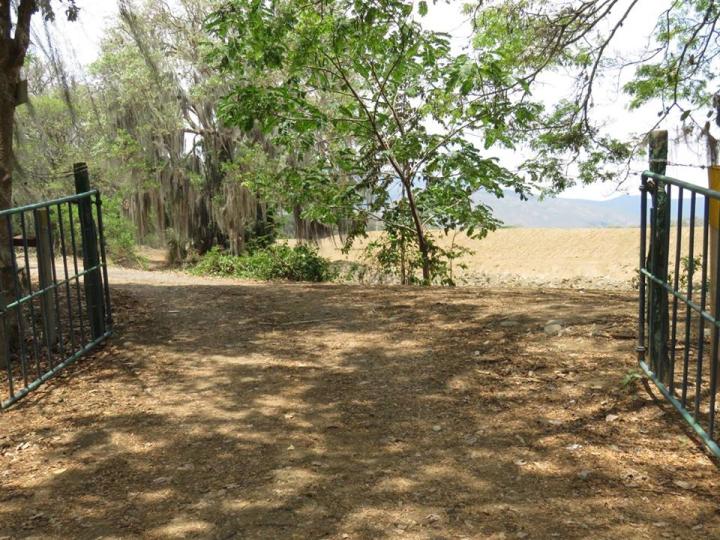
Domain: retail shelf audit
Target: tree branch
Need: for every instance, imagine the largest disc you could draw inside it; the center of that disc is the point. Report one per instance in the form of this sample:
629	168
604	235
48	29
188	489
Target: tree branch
21	40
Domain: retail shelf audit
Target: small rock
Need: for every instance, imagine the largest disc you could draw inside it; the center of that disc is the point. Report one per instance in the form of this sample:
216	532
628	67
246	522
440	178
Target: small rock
522	534
432	518
611	417
509	323
436	428
583	475
477	353
682	484
162	480
553	329
573	447
291	447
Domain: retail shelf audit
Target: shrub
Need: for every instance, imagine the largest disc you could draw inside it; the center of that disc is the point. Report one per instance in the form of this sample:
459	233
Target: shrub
299	263
119	233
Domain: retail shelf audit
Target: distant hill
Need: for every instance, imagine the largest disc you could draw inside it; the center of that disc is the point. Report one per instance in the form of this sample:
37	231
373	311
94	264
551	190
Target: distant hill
622	211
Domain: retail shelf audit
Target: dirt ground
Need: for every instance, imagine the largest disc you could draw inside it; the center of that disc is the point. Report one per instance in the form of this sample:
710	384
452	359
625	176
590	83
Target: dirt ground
225	409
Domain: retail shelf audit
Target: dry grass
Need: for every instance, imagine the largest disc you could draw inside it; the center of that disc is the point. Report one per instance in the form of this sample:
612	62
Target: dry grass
577	258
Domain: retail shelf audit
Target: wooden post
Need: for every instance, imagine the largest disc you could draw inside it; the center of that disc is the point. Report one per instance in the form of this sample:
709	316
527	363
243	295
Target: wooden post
91	256
45	274
659	249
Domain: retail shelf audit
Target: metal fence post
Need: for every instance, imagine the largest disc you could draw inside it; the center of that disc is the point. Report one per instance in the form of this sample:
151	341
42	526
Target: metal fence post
660	247
91	257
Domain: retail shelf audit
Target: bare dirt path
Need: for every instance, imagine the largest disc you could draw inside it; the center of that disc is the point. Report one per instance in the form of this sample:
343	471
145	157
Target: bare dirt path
224	409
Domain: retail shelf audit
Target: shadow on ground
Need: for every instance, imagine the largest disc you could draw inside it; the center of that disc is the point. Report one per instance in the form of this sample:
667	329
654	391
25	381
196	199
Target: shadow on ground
299	411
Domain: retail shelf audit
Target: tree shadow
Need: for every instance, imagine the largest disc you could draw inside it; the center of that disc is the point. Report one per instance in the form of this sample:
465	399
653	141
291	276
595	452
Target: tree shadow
304	411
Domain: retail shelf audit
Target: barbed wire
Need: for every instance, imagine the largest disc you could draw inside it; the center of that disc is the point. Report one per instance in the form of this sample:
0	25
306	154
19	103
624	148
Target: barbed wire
34	177
59	174
675	164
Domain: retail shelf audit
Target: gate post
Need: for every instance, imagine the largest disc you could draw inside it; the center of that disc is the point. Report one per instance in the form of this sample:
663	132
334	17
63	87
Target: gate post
91	258
659	249
714	256
45	275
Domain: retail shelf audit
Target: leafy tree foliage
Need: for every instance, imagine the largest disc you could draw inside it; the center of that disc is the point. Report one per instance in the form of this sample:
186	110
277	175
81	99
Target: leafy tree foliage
374	113
146	122
342	112
677	71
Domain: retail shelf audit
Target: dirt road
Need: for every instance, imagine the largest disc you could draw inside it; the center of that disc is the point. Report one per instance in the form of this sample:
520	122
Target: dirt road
224	409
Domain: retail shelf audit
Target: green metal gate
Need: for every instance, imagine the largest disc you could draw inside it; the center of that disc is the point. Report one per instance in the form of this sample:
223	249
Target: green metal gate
58	306
679	301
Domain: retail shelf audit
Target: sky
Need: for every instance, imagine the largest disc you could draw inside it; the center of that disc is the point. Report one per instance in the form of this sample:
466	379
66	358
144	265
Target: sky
80	42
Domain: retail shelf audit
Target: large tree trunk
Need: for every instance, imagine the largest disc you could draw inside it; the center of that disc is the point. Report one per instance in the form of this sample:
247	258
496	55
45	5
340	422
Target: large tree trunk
13	49
8	330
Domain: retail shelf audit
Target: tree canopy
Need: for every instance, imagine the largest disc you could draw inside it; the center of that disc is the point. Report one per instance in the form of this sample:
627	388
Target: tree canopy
372	111
210	120
378	116
676	70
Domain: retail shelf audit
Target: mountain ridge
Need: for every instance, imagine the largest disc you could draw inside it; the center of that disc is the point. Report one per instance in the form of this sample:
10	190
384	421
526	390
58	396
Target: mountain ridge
555	212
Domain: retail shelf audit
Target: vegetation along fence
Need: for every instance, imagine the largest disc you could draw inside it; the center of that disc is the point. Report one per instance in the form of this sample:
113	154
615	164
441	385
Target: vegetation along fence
55	300
679	307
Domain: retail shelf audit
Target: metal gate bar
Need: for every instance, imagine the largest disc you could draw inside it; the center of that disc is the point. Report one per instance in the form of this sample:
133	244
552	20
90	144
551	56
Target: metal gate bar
58	309
689	381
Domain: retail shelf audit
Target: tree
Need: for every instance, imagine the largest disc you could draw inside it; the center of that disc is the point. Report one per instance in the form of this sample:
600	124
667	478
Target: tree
55	130
15	18
174	160
677	70
374	112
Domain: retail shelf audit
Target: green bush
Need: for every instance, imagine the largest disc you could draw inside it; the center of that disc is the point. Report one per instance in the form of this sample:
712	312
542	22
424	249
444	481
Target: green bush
299	263
119	233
